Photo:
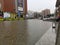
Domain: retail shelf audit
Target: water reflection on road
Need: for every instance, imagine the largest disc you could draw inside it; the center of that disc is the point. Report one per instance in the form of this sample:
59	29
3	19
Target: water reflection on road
24	32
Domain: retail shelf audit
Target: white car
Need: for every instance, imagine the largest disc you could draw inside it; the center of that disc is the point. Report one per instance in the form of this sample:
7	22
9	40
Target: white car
29	16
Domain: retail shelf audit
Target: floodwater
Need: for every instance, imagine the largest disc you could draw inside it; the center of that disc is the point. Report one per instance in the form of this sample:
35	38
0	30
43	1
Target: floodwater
23	32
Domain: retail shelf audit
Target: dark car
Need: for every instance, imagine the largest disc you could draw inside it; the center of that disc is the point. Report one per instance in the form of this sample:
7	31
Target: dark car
1	13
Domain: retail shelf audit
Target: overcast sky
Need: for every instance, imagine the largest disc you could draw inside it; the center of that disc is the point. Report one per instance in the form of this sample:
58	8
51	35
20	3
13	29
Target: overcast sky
38	5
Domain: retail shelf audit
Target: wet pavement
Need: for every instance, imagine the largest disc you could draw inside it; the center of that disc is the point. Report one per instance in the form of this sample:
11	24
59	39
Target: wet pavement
49	38
24	32
58	34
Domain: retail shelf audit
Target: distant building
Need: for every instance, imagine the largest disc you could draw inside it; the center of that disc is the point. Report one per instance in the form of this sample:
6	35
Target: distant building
45	12
13	6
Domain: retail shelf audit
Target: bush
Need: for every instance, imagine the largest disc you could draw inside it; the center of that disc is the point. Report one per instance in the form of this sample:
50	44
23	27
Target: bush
6	19
1	19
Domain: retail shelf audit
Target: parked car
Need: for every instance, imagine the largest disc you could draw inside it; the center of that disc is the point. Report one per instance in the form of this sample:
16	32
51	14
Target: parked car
1	14
29	16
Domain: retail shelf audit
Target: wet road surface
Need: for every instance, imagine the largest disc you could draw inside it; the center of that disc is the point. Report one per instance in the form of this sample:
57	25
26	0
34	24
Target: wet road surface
24	32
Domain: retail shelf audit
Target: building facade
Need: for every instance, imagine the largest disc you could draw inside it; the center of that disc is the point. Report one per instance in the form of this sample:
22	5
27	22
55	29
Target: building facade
58	27
57	7
45	12
13	6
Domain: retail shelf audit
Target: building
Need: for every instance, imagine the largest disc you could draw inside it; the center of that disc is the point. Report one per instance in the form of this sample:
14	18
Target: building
13	6
57	8
57	3
45	12
58	27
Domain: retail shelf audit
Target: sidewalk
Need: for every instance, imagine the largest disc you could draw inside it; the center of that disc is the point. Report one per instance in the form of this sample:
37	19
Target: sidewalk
48	38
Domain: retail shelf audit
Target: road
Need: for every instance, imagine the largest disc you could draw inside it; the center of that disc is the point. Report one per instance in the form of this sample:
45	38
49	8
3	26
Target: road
23	32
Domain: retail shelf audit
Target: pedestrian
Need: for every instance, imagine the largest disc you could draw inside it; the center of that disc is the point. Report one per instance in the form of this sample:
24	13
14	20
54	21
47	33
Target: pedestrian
19	13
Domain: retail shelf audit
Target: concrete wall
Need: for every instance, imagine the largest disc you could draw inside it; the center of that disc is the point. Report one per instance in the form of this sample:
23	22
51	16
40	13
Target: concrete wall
11	5
58	34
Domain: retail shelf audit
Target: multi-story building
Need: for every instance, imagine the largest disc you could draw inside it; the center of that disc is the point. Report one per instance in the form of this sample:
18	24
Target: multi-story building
13	6
57	7
58	27
45	12
57	3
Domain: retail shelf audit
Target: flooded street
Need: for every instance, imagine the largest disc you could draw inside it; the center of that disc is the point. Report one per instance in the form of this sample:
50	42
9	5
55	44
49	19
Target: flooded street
24	32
